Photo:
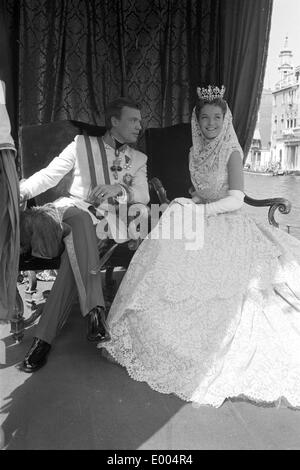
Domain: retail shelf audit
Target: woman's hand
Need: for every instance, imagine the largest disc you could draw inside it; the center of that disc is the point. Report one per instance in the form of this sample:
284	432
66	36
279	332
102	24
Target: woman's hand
196	199
193	193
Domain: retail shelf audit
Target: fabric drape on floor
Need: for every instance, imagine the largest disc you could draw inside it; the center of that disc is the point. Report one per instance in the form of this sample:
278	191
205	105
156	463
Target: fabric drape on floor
76	55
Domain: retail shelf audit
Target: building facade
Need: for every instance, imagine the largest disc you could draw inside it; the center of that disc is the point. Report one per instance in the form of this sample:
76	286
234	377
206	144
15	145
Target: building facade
276	141
285	137
259	156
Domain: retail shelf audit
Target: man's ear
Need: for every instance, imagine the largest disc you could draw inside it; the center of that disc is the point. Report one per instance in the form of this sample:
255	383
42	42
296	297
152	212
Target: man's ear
114	121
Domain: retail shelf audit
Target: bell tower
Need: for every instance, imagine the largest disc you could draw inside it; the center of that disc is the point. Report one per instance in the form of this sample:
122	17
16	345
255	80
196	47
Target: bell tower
285	56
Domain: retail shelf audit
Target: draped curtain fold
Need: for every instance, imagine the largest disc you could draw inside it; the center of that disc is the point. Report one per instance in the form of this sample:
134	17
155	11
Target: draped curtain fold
244	40
8	64
73	56
9	191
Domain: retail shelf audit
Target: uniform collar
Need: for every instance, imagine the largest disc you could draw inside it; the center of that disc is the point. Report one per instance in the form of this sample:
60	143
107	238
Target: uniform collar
113	143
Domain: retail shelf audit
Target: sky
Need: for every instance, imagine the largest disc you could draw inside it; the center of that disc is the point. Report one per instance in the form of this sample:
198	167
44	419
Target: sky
285	22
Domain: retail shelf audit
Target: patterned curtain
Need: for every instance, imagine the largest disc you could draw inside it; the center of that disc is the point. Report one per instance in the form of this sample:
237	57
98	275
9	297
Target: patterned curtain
73	56
76	55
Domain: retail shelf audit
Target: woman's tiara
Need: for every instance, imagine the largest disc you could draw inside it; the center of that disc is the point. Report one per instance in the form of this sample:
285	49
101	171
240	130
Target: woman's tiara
210	93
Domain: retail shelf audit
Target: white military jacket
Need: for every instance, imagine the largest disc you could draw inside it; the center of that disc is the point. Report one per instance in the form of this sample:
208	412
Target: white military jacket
132	176
74	156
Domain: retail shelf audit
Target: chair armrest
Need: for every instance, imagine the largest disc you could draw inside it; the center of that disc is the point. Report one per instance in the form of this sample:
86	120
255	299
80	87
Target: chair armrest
160	190
283	205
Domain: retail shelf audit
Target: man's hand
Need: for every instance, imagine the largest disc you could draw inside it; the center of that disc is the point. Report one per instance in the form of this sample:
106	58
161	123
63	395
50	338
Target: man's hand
104	191
24	195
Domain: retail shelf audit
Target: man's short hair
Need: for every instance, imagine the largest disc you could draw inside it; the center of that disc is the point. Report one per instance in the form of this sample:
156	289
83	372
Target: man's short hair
114	109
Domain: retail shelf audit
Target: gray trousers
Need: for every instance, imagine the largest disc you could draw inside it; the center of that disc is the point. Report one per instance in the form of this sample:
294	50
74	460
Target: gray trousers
64	290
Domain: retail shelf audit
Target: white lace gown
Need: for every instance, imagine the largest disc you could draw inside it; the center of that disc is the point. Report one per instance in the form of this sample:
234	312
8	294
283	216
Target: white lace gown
209	324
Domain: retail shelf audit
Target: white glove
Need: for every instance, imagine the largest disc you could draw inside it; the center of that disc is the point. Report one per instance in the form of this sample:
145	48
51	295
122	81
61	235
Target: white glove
234	201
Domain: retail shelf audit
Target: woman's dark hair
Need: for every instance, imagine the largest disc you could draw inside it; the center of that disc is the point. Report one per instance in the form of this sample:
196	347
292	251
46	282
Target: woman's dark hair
216	102
114	109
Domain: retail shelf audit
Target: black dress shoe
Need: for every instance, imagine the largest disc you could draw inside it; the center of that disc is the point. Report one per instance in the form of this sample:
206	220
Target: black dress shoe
97	329
36	356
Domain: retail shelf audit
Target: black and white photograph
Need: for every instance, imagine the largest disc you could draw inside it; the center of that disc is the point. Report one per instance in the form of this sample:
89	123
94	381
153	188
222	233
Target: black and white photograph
149	227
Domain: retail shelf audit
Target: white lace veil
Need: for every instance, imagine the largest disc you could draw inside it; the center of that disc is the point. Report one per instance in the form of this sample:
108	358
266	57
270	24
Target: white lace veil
209	153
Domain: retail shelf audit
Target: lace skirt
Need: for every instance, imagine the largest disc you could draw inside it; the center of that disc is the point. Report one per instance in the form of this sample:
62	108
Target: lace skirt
219	322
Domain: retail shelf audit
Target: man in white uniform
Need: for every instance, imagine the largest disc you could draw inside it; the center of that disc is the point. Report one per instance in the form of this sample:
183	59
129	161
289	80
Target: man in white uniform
105	170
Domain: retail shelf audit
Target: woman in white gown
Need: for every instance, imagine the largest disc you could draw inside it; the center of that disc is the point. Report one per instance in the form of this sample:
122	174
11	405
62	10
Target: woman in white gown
208	324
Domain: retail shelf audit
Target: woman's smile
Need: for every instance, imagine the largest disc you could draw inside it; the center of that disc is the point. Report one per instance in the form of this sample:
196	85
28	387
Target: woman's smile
211	120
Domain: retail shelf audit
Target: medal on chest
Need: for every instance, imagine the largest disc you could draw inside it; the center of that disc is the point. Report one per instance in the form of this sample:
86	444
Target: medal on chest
127	179
117	165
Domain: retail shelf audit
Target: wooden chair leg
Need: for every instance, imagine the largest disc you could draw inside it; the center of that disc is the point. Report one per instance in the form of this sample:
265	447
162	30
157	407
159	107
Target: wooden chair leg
109	276
110	284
